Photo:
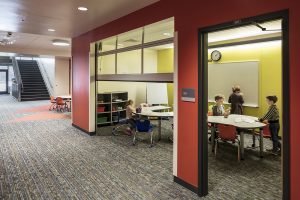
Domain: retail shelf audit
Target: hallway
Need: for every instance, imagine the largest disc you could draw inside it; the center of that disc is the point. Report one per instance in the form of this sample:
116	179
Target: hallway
43	157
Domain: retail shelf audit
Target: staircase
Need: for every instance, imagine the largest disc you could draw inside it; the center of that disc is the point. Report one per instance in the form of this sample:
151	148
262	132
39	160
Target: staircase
34	87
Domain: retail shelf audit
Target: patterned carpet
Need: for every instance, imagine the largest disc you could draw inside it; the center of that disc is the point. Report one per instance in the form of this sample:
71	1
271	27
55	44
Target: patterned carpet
43	157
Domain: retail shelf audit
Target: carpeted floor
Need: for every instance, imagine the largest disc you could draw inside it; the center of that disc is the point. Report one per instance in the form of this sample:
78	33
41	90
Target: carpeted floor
43	157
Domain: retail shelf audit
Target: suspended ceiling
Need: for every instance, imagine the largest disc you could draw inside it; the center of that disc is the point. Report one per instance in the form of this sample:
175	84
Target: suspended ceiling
37	16
29	21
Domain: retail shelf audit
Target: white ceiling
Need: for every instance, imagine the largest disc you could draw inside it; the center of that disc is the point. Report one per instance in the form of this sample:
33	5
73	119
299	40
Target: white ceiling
34	44
245	31
29	20
63	15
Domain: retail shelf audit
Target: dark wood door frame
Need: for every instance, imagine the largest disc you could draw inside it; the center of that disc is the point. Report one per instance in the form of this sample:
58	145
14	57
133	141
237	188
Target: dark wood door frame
5	70
203	96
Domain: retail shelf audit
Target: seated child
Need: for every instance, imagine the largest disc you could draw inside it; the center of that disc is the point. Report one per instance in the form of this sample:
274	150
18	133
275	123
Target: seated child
218	109
272	118
130	109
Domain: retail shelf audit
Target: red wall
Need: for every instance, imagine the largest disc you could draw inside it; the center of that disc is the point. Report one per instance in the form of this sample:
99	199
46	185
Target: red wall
189	17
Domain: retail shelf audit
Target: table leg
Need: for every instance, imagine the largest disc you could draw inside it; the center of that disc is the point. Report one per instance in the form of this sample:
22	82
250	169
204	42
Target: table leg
159	129
242	145
253	139
261	143
212	129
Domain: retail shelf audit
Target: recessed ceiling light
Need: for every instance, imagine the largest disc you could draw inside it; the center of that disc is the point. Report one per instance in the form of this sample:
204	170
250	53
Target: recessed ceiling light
81	8
51	30
60	42
167	34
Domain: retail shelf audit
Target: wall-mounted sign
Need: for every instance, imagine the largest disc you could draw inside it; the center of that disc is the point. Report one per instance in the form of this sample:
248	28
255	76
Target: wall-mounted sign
188	94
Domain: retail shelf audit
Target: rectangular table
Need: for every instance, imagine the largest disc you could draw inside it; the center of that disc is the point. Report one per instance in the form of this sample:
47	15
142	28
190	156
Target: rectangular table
241	122
150	112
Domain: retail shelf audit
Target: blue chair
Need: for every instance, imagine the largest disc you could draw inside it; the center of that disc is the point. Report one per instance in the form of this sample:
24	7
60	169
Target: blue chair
143	126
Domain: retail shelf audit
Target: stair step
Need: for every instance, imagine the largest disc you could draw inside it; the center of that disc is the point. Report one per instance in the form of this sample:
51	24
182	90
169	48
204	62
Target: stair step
35	99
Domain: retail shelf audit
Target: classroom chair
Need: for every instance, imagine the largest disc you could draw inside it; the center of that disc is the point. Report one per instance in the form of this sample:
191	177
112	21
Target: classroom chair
53	103
61	105
227	133
143	126
266	134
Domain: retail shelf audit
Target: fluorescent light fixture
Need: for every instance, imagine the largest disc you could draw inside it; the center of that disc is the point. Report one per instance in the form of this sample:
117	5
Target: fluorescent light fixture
60	42
51	30
167	34
120	45
81	8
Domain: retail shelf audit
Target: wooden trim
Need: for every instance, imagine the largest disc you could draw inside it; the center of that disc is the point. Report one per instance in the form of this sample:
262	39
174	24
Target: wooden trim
139	46
161	77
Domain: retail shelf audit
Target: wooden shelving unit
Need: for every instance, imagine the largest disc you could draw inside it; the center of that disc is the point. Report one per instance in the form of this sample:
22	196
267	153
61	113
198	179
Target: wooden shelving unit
110	106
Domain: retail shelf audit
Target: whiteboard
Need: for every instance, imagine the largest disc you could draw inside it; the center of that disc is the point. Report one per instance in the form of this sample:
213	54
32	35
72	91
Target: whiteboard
157	93
221	78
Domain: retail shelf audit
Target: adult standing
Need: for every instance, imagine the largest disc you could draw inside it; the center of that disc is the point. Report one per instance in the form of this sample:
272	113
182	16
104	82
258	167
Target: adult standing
236	100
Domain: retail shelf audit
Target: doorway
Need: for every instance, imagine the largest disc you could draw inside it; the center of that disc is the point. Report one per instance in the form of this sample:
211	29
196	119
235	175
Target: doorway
3	81
203	153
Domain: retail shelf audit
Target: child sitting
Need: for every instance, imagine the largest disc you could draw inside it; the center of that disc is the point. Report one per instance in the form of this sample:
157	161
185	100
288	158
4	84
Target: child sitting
130	109
272	118
218	109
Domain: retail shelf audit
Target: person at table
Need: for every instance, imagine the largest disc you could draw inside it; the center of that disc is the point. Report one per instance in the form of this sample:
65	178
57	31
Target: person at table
130	109
236	100
218	109
272	118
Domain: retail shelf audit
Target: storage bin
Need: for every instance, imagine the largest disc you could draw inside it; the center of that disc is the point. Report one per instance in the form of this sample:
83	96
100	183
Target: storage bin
102	119
101	109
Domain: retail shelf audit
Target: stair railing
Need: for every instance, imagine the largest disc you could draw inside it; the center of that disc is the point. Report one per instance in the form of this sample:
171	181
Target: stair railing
17	84
45	77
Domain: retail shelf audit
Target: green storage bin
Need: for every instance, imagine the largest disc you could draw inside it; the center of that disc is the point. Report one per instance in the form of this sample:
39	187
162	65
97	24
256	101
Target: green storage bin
101	120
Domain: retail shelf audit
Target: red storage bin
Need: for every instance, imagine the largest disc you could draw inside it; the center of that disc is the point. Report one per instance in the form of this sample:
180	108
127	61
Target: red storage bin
101	109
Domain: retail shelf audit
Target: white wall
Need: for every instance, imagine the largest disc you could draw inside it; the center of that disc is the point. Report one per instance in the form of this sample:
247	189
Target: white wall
136	90
49	65
62	76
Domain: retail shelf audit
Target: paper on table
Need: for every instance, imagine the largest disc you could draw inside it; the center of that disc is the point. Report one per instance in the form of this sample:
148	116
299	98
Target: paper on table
244	119
248	120
238	120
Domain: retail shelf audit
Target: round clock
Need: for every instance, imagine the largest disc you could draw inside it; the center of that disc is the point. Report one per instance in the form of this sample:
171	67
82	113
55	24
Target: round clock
216	55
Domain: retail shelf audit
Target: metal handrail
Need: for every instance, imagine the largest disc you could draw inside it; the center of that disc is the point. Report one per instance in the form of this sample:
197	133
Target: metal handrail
18	79
45	76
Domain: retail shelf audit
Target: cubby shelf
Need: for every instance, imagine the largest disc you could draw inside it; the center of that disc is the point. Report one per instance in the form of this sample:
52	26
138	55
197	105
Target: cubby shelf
110	108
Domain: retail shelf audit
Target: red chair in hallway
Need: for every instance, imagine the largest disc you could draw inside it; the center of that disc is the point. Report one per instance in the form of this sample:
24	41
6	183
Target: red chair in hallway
53	103
61	105
227	133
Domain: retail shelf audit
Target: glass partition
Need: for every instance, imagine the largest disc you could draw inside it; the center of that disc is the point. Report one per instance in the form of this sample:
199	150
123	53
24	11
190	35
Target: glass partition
159	31
129	62
144	50
131	38
107	64
159	59
108	44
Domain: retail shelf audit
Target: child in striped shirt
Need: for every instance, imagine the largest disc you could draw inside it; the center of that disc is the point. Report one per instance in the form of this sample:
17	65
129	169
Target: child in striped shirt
272	118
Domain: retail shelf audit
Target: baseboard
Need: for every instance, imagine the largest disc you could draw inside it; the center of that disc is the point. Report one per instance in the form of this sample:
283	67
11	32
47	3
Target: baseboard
185	184
87	132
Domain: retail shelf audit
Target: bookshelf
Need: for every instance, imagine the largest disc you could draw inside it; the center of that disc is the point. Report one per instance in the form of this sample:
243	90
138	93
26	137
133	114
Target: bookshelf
109	106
